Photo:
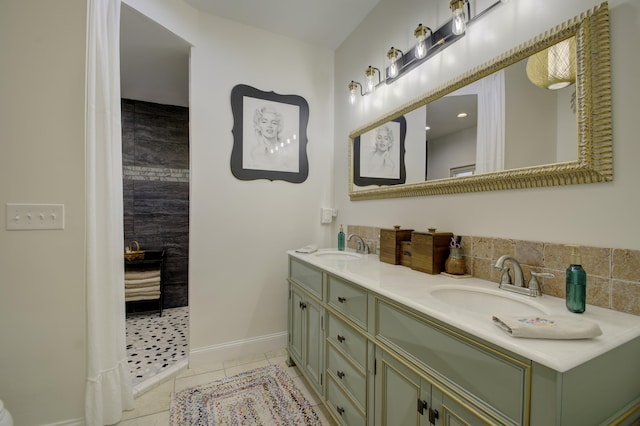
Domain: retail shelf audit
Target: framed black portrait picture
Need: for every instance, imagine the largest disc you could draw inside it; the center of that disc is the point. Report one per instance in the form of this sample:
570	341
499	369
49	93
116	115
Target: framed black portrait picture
269	135
378	155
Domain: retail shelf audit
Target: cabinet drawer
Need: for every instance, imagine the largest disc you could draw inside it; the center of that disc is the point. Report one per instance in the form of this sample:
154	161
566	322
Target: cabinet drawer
348	340
306	276
342	407
500	381
348	299
347	375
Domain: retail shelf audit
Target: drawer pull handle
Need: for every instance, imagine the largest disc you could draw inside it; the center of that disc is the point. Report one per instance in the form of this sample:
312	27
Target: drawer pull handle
342	299
422	405
341	339
340	374
340	410
433	415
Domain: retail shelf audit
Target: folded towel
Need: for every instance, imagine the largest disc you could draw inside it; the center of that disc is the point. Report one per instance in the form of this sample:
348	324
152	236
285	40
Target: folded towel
150	292
140	275
144	297
548	327
307	249
155	283
143	281
142	289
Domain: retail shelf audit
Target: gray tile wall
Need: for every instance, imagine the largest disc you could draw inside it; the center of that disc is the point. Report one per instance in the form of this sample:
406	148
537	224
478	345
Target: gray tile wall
155	160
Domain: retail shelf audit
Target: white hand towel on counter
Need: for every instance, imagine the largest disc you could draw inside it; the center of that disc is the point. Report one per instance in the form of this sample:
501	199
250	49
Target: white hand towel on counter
548	327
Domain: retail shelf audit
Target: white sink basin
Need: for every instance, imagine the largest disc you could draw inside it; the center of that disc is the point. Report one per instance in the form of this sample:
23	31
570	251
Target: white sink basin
337	255
487	301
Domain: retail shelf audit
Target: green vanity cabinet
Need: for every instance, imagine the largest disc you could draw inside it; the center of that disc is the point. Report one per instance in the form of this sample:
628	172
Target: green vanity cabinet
374	361
306	335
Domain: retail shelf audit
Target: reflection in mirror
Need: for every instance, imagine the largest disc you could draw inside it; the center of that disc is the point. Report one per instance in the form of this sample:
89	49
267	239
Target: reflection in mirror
525	119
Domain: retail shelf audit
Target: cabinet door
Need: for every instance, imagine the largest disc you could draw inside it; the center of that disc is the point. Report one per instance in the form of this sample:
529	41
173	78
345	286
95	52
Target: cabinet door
402	396
457	413
296	337
314	337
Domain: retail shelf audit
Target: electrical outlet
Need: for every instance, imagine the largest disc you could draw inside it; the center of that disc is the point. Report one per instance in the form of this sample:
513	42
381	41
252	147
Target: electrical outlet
34	216
326	215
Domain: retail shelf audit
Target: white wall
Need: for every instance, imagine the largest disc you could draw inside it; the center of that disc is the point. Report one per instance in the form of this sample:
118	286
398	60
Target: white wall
42	297
240	230
603	215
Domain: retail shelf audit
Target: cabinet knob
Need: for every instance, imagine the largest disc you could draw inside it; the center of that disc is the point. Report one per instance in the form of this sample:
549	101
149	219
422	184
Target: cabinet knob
341	339
340	410
340	374
303	305
342	299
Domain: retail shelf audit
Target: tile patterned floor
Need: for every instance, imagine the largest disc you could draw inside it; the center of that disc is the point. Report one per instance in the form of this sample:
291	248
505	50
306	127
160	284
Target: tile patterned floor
156	345
152	407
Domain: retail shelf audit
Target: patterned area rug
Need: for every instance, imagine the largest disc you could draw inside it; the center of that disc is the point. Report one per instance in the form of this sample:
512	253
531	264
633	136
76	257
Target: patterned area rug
264	396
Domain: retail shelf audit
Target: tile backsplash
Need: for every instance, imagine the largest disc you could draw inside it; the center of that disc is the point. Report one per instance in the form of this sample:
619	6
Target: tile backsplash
613	274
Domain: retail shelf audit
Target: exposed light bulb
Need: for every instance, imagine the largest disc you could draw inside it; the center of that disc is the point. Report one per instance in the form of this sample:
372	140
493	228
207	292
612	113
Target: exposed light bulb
392	54
370	86
370	83
421	49
459	26
393	69
420	34
352	95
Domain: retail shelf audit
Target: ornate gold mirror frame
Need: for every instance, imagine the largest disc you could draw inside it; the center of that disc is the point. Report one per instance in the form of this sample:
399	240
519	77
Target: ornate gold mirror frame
593	111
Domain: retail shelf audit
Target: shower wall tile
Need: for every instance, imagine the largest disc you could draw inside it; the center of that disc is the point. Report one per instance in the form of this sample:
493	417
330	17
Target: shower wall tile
156	187
172	155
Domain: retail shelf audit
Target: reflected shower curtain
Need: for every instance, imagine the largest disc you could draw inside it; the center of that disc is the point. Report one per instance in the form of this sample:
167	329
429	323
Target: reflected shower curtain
491	119
108	388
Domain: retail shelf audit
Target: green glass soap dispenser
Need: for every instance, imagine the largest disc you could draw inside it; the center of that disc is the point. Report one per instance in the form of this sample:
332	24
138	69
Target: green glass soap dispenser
341	239
576	284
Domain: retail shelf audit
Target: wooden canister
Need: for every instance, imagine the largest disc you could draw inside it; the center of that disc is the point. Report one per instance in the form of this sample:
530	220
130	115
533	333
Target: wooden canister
390	244
429	251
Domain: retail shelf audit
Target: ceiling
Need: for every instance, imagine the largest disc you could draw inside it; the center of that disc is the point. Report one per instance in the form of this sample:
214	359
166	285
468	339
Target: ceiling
325	23
154	62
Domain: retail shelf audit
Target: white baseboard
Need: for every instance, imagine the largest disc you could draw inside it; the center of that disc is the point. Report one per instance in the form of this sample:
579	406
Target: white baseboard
73	422
237	349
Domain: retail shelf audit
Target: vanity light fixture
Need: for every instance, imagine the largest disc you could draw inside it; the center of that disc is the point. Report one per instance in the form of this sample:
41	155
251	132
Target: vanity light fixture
353	94
420	34
428	43
392	54
554	67
370	82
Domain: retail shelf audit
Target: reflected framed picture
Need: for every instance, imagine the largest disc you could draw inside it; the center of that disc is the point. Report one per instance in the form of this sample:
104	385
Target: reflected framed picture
378	155
269	135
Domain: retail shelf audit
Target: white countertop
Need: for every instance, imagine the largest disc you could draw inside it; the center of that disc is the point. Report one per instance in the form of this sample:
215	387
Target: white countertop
413	289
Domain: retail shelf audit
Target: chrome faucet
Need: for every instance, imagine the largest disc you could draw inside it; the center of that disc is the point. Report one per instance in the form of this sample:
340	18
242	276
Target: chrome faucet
362	247
517	271
534	289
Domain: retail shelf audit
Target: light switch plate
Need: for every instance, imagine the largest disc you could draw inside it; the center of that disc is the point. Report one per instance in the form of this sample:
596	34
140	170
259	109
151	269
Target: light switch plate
22	217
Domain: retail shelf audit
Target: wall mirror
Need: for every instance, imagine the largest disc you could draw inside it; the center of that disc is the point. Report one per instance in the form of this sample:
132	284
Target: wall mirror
515	134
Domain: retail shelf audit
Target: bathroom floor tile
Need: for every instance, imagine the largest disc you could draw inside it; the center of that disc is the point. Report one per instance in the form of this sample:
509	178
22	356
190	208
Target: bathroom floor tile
155	344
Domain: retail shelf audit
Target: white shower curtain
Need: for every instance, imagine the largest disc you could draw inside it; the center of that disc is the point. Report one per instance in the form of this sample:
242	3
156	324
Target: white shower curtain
491	119
108	388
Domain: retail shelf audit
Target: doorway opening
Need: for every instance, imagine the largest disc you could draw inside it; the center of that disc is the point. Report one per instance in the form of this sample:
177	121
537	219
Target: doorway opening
154	77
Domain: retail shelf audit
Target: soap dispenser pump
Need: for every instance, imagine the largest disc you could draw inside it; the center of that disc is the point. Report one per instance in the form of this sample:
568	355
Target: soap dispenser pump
576	284
341	239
